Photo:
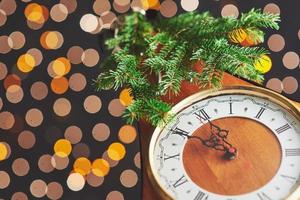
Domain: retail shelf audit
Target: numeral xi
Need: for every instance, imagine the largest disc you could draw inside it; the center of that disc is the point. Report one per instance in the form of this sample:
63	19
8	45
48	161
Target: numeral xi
202	115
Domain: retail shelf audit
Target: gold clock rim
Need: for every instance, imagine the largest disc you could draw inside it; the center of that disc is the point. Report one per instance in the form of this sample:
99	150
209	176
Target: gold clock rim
272	96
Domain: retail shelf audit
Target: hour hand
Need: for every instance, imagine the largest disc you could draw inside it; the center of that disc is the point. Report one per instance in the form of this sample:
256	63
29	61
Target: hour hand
222	133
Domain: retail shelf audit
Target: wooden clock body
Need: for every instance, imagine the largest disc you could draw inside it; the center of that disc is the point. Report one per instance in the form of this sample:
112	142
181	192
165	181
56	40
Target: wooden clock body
264	173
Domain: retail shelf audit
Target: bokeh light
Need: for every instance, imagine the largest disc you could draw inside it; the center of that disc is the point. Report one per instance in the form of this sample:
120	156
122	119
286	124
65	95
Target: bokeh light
75	182
125	97
62	148
82	165
51	40
3	151
116	151
100	167
26	63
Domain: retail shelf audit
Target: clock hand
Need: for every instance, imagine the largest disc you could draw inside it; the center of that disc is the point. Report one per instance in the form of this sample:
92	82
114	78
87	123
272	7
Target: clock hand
217	140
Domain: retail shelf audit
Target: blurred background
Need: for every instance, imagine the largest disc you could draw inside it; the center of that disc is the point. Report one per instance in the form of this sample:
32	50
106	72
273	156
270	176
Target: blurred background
61	139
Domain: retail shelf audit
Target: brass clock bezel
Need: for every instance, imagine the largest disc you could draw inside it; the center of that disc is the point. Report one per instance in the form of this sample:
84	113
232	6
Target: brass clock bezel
272	96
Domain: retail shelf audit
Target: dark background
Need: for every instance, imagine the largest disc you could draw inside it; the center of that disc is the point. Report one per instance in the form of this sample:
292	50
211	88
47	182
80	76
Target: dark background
73	35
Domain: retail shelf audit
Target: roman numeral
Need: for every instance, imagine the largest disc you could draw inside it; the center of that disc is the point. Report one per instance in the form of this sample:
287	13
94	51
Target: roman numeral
167	157
230	108
290	179
283	128
180	181
260	112
179	131
292	152
201	196
202	115
263	196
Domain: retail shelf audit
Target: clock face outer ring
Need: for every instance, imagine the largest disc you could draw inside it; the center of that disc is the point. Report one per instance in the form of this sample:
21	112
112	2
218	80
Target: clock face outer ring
243	90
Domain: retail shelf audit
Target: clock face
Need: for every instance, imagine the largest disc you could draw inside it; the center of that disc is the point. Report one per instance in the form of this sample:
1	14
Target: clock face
265	134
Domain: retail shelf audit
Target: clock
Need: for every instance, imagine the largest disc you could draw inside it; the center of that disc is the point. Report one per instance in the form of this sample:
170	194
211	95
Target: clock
236	143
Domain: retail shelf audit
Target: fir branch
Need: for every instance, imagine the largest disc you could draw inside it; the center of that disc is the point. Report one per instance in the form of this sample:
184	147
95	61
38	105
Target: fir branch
153	58
256	18
154	110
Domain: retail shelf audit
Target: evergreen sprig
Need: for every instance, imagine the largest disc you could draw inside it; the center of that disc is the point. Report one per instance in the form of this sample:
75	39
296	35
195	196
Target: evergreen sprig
152	58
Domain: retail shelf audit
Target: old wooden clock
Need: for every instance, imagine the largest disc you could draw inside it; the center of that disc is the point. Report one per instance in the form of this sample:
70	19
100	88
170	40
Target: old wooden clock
237	143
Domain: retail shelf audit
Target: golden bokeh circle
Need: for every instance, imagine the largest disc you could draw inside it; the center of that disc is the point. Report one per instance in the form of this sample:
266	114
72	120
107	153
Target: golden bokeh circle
3	151
263	64
82	165
26	63
116	151
125	97
62	148
100	167
51	40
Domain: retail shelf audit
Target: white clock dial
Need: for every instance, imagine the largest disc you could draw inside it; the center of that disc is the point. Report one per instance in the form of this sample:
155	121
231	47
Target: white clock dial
168	148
